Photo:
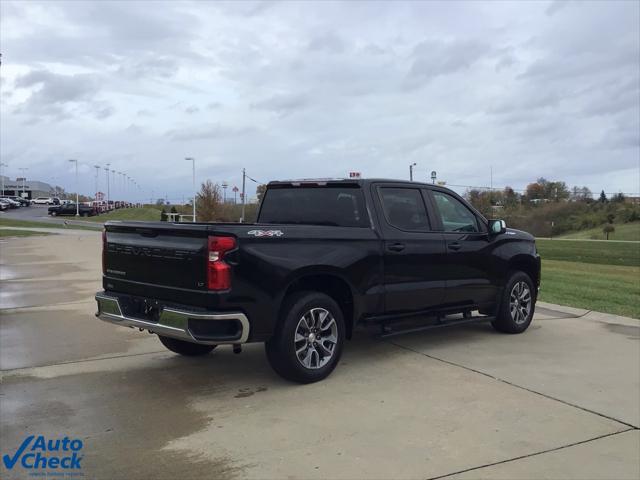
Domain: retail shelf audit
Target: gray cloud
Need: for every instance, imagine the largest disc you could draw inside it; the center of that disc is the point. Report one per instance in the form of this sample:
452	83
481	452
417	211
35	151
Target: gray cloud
210	132
283	104
319	89
436	58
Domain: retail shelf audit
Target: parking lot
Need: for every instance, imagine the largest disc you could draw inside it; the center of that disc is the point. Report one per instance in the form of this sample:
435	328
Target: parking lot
38	213
560	401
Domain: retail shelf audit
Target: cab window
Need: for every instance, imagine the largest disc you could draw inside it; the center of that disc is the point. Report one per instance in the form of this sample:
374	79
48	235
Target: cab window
404	208
455	216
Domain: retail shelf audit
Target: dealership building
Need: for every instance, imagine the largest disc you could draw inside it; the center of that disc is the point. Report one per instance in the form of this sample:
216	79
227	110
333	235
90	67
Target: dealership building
26	188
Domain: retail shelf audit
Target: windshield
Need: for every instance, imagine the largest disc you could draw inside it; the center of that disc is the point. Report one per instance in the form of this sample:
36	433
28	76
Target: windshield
340	206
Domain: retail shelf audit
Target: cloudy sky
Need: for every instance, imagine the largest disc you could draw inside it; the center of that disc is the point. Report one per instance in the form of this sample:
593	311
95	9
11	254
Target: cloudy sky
302	89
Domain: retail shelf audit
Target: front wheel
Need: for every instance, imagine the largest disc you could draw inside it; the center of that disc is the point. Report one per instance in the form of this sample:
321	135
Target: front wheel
307	343
185	348
53	214
517	305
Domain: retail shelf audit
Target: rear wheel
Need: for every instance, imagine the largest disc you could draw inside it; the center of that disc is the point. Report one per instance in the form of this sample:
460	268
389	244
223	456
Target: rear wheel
517	305
53	214
185	348
307	343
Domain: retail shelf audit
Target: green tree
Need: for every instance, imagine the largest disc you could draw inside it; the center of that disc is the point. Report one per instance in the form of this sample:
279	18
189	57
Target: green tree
260	189
208	202
603	197
163	215
607	229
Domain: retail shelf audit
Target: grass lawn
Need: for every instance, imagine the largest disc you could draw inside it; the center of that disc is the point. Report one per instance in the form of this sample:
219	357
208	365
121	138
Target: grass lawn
625	231
604	253
12	222
19	233
604	288
144	214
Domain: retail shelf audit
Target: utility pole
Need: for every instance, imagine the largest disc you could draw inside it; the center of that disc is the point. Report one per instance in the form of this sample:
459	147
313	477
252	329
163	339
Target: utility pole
224	192
77	204
244	196
193	164
2	176
106	169
411	171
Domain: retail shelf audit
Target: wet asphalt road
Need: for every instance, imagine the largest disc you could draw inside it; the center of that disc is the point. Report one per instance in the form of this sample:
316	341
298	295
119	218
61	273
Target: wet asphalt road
560	401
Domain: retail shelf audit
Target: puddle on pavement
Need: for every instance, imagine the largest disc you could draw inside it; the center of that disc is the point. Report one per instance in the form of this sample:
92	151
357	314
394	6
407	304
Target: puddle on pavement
35	338
39	270
124	419
19	294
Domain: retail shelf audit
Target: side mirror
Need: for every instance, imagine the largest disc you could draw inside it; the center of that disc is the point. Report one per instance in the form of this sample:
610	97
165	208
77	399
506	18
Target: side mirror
497	226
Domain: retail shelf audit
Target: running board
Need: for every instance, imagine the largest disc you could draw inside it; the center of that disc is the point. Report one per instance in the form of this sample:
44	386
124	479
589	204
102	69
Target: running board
387	331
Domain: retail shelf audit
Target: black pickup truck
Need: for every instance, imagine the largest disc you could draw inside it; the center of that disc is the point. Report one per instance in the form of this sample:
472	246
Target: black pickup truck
71	209
323	257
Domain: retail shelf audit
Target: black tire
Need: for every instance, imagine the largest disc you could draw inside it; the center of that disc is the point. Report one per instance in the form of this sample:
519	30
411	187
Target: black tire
510	318
186	348
53	214
85	214
281	348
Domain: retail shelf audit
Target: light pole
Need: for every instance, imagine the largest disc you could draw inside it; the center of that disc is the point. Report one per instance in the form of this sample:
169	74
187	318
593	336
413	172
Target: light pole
224	192
77	204
2	176
433	176
115	186
193	161
106	169
411	171
95	195
24	178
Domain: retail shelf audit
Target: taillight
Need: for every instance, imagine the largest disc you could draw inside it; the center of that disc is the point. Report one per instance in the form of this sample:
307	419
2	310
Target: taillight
104	251
219	272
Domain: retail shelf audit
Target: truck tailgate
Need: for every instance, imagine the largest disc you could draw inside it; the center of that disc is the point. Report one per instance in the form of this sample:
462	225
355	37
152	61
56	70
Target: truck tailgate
170	255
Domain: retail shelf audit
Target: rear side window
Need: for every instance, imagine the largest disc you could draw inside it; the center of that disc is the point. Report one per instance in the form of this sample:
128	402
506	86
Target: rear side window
404	208
335	206
454	215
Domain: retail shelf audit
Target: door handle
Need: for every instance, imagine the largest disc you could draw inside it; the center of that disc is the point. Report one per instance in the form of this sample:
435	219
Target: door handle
396	247
454	246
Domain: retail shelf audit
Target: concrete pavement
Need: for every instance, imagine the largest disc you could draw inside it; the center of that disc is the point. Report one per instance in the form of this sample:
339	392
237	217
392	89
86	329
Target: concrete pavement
560	401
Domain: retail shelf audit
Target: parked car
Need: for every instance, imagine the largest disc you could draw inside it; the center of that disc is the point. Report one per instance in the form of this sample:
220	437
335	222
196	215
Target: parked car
70	209
43	201
12	203
4	205
24	202
323	257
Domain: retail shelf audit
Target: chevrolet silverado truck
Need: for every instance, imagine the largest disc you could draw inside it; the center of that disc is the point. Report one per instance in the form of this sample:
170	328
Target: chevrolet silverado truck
323	257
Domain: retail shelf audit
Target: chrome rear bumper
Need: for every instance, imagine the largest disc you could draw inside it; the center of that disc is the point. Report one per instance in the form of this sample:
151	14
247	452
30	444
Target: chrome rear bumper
174	323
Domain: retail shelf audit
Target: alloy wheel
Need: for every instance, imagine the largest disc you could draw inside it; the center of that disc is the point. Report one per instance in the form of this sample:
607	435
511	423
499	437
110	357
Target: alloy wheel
316	338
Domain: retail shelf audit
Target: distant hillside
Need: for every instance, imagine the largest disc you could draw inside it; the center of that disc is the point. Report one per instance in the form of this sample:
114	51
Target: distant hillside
626	231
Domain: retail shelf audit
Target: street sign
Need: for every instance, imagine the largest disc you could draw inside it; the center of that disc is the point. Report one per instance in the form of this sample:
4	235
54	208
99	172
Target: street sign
235	189
355	174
